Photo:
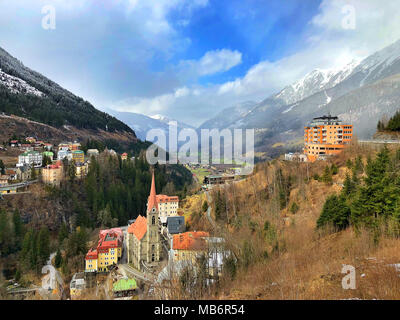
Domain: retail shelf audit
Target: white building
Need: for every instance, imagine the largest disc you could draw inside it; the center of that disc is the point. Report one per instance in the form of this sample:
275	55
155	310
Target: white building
299	157
167	206
64	153
32	158
92	152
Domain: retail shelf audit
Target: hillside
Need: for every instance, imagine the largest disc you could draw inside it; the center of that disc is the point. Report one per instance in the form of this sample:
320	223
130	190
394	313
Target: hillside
27	93
270	220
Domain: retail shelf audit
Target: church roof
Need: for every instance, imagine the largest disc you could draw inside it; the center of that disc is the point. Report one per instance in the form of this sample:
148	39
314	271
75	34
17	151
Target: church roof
139	227
152	200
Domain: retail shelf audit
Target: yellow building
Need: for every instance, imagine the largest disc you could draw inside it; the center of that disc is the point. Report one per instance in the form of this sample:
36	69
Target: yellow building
81	170
91	261
326	135
189	245
53	174
78	156
107	253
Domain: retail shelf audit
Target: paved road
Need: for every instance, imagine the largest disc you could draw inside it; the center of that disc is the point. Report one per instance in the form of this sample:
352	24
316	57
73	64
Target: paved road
127	270
379	141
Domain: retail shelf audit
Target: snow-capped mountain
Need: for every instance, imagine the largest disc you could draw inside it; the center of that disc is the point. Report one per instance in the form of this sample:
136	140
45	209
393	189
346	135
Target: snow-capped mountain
380	65
142	124
167	120
360	93
315	81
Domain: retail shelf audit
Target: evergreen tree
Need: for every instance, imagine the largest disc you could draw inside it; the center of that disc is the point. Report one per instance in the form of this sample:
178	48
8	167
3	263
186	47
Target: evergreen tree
359	166
327	176
294	208
58	259
335	212
2	167
43	246
349	186
334	169
62	234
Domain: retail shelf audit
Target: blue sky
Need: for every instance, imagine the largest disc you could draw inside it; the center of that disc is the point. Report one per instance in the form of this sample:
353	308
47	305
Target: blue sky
190	59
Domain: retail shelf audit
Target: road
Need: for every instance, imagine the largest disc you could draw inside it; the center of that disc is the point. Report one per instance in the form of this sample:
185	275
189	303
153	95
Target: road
380	141
127	270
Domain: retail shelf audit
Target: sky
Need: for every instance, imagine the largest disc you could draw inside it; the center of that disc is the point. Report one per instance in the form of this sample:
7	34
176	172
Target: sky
190	59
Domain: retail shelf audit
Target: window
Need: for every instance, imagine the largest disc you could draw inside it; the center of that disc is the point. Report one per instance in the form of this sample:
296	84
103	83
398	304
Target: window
153	220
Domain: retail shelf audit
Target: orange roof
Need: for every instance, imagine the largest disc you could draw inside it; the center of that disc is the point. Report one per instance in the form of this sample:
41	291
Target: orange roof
165	198
152	200
139	227
189	240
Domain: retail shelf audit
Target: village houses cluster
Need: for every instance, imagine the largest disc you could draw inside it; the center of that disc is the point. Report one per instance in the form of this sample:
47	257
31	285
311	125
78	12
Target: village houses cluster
45	162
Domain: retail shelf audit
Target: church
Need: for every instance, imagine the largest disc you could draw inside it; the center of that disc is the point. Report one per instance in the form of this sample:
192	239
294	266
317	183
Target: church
143	241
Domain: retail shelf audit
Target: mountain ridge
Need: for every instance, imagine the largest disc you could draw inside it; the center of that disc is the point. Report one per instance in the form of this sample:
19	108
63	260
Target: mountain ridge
27	93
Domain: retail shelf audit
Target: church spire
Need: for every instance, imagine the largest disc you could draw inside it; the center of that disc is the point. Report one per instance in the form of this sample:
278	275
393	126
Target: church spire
152	201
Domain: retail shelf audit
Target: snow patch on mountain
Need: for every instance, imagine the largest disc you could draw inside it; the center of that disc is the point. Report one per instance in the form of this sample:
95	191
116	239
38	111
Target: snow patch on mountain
17	85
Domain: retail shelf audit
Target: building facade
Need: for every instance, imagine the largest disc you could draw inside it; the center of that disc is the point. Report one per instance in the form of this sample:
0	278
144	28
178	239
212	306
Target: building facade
189	245
53	174
167	206
92	153
31	158
64	153
144	241
107	253
326	136
81	170
78	156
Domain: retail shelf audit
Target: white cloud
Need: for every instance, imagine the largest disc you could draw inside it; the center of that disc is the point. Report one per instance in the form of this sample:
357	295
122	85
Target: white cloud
327	45
219	60
211	62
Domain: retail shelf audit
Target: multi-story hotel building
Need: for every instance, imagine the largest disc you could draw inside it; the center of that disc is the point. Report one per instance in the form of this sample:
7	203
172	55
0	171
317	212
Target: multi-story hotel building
326	135
167	207
107	253
53	174
32	158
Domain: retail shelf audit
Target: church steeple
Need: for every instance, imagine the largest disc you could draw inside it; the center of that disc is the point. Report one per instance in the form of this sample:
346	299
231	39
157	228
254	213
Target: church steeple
152	201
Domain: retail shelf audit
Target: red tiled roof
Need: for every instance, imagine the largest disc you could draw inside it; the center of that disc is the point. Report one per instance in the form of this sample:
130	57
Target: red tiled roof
110	238
139	227
91	255
189	240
